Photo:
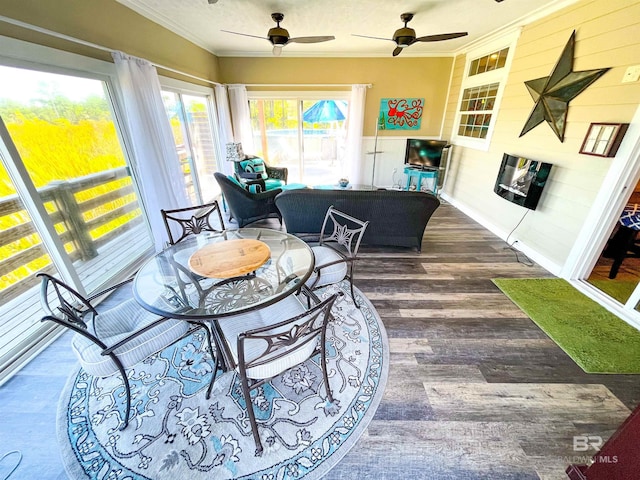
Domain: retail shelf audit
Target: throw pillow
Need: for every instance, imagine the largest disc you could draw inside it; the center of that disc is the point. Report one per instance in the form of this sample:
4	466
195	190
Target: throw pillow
255	165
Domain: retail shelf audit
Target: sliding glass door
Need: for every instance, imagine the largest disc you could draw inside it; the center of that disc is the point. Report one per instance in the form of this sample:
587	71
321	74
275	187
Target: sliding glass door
67	201
305	133
617	270
192	124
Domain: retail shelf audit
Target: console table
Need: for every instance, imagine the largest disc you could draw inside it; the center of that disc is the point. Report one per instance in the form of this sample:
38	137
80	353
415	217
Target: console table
421	174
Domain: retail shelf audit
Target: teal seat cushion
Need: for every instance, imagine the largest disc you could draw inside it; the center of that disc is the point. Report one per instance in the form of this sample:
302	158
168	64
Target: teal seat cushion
273	183
255	165
234	180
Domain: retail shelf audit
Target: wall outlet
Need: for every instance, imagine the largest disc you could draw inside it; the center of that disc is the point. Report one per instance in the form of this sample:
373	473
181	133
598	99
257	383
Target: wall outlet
632	74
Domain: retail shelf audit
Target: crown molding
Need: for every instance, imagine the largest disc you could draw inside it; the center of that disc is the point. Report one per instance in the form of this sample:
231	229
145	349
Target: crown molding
514	27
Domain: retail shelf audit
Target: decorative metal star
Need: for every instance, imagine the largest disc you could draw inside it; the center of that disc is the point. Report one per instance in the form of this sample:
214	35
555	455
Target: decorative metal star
552	94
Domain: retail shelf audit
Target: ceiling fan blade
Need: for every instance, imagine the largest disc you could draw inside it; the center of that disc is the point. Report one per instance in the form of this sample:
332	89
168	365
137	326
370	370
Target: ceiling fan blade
375	38
277	50
442	36
311	39
397	51
245	34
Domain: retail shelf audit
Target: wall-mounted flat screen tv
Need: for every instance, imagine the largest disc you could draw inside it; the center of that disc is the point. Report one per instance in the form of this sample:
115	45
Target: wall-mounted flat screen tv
521	180
425	154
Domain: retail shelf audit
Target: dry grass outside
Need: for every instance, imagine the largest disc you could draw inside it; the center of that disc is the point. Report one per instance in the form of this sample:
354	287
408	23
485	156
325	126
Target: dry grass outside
62	151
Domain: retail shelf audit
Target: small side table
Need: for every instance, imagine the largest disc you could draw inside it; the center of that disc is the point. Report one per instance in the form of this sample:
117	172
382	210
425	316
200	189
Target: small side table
419	174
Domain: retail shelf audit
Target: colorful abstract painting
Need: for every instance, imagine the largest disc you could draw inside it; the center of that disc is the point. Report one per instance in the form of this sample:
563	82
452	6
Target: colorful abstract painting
400	113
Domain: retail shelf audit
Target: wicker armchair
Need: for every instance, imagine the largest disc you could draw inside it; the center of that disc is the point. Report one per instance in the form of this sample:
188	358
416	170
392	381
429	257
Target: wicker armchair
255	171
246	207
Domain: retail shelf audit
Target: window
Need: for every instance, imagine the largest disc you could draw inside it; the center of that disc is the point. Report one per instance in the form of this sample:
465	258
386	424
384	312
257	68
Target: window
477	109
489	62
68	205
482	86
189	108
304	132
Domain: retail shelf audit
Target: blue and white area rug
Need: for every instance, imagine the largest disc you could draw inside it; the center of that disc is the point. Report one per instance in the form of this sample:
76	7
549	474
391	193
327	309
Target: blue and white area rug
174	432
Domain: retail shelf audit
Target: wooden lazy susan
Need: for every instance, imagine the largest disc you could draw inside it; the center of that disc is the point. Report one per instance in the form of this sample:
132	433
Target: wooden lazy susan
231	258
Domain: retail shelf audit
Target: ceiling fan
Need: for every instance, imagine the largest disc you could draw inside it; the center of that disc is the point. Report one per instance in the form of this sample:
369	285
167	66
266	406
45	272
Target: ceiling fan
279	37
405	36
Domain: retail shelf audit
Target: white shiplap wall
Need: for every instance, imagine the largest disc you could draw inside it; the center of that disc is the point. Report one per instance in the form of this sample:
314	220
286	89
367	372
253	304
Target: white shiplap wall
607	35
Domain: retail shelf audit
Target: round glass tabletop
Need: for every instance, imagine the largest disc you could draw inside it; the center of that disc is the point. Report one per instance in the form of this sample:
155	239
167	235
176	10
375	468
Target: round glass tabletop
168	286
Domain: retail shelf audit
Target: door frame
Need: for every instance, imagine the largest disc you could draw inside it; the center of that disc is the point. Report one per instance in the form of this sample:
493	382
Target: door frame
621	179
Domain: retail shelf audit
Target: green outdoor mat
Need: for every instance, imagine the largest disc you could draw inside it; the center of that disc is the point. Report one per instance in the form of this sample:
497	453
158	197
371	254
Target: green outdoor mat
597	340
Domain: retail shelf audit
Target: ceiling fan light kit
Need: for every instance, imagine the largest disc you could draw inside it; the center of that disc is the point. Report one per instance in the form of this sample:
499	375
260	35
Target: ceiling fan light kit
405	37
279	37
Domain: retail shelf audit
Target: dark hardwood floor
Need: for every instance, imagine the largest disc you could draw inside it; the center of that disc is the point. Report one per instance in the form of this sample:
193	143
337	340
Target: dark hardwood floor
476	390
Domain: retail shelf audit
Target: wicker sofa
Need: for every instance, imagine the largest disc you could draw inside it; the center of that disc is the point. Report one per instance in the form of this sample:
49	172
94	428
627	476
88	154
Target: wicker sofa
396	218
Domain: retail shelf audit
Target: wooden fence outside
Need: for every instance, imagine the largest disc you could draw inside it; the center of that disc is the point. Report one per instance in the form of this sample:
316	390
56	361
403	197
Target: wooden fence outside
61	196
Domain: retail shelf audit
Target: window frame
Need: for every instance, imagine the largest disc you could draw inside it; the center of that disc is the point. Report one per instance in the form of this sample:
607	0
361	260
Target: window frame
181	87
499	76
299	96
21	54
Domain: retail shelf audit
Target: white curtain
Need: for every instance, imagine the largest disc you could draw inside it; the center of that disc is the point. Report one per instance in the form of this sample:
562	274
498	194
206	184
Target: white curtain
241	117
156	164
225	129
354	160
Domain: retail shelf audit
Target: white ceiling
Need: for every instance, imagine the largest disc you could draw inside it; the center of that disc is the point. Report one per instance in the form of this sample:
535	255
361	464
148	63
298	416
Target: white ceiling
201	23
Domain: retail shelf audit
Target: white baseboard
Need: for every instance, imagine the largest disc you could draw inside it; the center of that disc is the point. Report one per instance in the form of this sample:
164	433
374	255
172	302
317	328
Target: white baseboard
521	246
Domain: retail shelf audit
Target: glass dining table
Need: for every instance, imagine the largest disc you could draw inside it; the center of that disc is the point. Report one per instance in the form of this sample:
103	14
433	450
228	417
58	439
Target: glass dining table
210	276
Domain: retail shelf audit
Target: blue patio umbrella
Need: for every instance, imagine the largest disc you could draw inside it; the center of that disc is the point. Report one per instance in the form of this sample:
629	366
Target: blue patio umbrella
326	111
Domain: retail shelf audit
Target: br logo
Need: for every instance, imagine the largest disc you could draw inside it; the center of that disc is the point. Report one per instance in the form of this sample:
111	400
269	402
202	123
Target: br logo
582	443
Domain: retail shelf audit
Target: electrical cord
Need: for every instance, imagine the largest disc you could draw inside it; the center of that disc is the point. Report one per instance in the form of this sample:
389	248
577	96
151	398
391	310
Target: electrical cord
527	261
17	464
514	229
395	184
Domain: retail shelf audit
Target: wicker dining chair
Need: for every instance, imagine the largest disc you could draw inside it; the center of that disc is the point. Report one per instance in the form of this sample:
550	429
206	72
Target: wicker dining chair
110	342
191	220
267	342
337	250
